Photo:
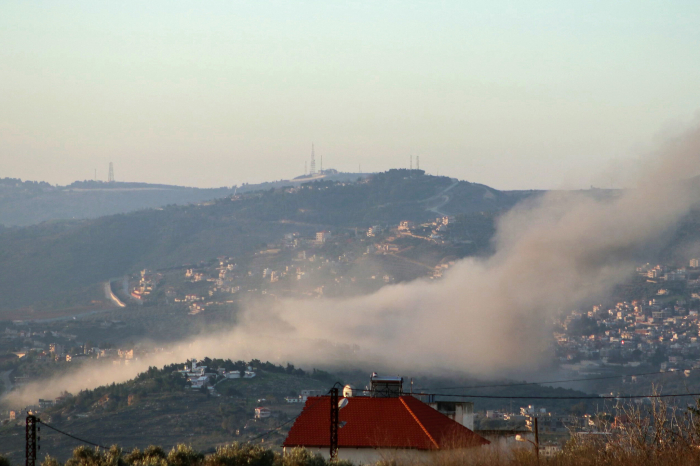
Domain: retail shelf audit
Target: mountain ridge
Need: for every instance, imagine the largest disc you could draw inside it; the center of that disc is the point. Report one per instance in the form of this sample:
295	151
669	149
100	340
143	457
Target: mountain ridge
45	263
24	203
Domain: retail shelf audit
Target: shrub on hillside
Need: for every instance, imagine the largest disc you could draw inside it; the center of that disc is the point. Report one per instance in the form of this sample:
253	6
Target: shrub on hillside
241	455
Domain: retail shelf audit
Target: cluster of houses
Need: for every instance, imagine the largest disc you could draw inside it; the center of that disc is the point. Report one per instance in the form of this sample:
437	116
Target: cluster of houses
658	331
303	396
226	277
60	352
434	230
200	376
144	285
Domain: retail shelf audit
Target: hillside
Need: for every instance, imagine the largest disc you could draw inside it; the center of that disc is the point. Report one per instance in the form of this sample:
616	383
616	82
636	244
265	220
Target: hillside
157	407
24	203
48	265
29	203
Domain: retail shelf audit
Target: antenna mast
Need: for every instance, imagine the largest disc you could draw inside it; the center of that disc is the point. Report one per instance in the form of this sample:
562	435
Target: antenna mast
110	177
313	161
417	162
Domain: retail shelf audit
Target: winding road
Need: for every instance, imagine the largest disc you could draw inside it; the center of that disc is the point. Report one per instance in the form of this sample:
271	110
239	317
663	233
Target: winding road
109	294
445	199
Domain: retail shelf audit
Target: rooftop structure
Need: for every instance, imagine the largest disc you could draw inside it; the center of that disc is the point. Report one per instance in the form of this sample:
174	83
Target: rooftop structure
372	427
385	387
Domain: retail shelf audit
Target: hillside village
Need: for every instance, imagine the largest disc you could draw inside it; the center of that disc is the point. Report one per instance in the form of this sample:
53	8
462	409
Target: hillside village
658	331
651	329
328	263
659	328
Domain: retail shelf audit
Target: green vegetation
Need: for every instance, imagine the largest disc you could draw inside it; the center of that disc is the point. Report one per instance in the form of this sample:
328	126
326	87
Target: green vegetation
110	398
115	396
580	453
157	407
182	455
49	265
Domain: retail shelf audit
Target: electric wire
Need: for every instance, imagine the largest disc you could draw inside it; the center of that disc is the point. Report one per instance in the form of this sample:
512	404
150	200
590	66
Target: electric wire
264	434
463	395
72	436
587	397
536	397
520	384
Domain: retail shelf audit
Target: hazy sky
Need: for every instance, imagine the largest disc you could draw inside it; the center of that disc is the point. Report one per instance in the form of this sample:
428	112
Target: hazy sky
514	94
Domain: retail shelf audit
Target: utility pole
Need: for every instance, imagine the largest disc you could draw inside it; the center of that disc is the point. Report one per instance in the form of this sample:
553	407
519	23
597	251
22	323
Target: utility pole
537	441
335	412
31	440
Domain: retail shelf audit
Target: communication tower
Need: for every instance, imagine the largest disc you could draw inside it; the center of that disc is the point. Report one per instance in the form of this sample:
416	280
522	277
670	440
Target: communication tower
313	161
417	162
411	163
110	177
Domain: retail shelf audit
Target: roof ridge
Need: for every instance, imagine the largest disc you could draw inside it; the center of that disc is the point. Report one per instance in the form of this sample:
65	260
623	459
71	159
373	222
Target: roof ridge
415	418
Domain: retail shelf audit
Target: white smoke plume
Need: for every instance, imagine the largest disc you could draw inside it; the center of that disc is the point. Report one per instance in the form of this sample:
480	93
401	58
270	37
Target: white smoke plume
486	316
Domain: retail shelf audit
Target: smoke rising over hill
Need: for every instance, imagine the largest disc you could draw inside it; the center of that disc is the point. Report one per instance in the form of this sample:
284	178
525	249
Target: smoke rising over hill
486	316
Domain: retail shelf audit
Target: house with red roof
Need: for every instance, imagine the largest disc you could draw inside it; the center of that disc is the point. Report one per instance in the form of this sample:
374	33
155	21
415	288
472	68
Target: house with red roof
375	428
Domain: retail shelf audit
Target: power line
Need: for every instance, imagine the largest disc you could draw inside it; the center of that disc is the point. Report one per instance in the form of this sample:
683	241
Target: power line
73	436
292	419
549	382
588	397
264	434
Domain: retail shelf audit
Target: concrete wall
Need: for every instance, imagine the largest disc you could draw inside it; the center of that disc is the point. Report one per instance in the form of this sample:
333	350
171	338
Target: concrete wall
459	411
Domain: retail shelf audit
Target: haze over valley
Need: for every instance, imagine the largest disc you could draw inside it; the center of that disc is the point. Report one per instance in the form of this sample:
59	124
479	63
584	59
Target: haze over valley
334	234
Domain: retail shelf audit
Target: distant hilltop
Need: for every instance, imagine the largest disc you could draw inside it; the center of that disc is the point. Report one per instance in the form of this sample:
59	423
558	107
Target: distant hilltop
320	174
24	203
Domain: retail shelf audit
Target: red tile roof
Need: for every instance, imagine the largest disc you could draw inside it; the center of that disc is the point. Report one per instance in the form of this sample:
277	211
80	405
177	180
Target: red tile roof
403	422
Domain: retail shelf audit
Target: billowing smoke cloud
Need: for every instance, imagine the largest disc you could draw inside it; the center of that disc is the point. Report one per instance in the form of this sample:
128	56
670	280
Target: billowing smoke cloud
486	316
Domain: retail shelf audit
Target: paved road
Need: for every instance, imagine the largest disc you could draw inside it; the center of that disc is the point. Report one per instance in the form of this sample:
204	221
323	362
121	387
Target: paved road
110	295
445	199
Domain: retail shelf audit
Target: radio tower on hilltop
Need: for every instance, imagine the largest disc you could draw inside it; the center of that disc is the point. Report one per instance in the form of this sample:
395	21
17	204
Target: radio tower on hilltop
313	161
110	177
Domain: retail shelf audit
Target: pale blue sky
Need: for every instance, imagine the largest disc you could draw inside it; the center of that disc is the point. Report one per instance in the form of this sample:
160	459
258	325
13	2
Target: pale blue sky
514	94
